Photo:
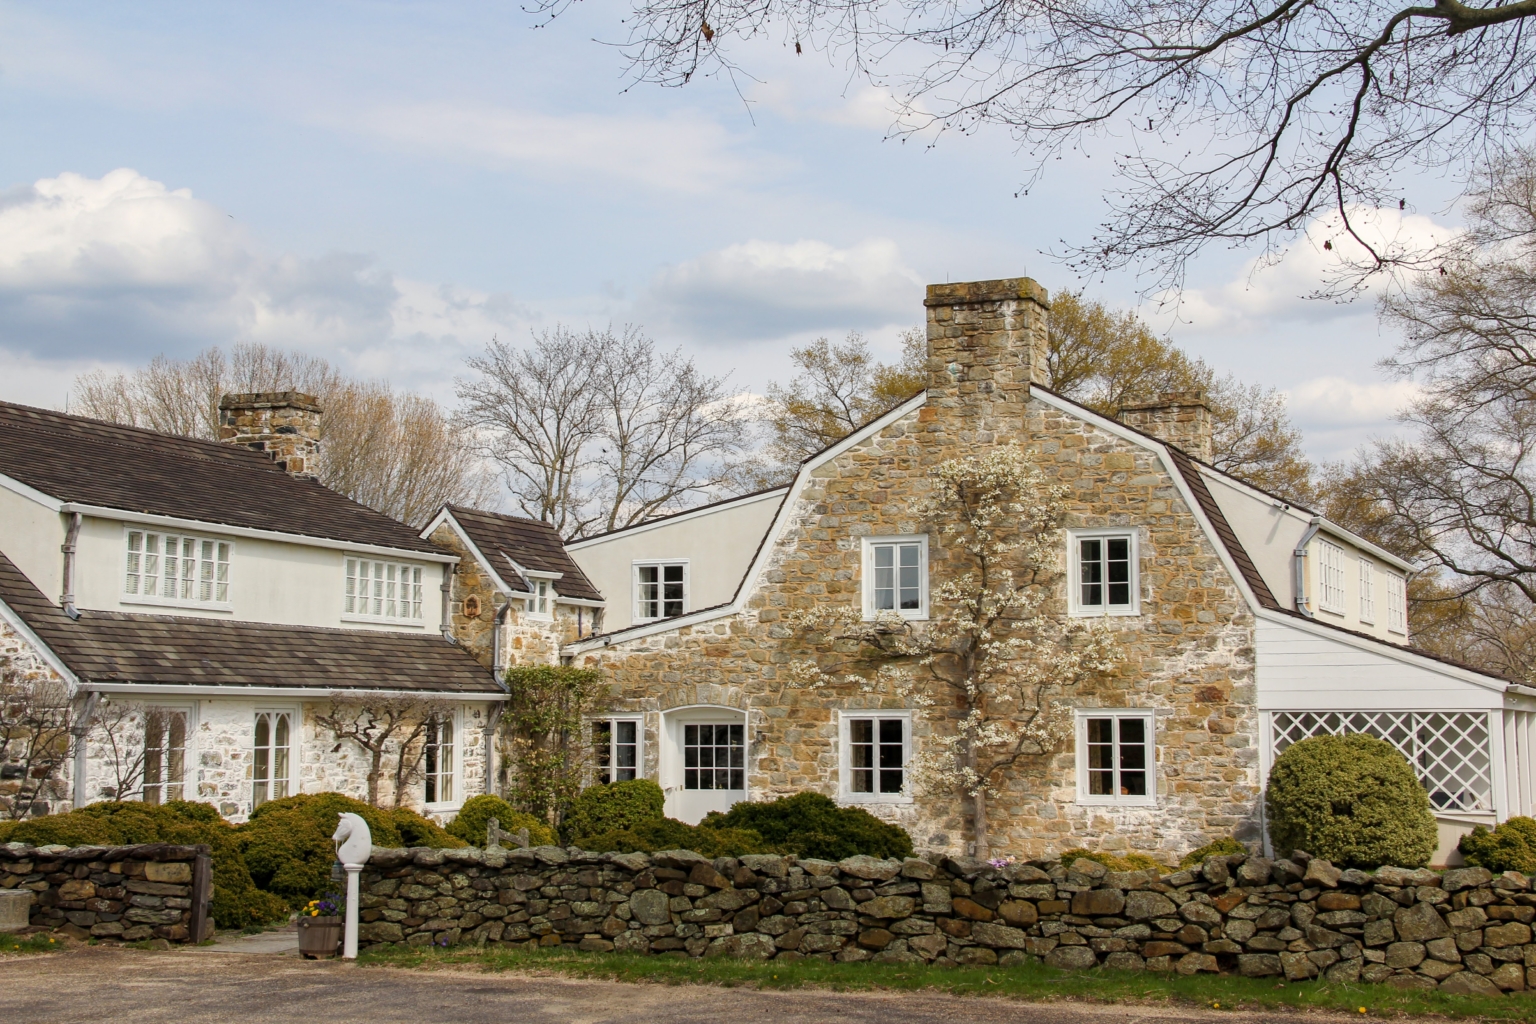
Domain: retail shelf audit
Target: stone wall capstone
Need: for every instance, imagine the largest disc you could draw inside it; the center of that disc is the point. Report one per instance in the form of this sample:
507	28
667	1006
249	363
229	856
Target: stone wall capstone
1464	930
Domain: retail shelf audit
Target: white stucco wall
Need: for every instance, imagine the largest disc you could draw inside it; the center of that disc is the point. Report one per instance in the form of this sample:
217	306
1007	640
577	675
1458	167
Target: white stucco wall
718	544
30	536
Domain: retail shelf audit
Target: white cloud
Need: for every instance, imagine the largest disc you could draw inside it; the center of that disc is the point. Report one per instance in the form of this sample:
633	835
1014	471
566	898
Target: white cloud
1337	402
760	289
114	270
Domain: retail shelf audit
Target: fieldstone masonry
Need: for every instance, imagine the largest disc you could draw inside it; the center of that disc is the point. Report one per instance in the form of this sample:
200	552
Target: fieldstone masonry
114	893
1463	931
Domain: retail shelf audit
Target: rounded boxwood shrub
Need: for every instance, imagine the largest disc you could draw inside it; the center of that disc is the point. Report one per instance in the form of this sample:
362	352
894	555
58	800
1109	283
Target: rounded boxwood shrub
811	825
1353	800
671	834
236	902
612	807
1509	847
470	823
416	830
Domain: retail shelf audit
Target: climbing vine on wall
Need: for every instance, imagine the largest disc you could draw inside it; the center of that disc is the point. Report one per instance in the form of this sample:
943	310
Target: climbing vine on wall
546	721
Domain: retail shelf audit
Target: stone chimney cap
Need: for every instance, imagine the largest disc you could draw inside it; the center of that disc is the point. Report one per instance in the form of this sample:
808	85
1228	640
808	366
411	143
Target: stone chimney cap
1171	400
271	400
967	293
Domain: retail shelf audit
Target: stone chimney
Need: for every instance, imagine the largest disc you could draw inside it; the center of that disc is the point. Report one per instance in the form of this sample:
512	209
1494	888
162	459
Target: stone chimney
987	343
284	424
1182	418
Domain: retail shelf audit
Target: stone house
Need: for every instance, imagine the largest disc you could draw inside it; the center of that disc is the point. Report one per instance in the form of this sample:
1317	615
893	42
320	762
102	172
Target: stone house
1248	623
203	602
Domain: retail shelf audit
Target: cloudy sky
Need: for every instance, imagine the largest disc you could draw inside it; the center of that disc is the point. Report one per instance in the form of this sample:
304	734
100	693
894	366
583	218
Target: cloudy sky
392	184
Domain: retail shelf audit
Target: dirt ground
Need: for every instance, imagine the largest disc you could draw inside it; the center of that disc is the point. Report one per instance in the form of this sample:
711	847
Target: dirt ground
130	986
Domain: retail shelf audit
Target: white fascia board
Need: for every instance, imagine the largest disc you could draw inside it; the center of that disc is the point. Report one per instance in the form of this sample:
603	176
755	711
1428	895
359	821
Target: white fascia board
48	501
16	622
304	539
446	517
580	602
652	524
1389	650
1360	542
765	550
303	692
1141	440
540	574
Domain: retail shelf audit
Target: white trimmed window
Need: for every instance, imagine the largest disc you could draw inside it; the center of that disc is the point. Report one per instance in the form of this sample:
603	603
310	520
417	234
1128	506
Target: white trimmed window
174	568
1397	604
165	754
1367	591
1116	757
540	604
382	590
439	762
1330	577
896	576
271	760
616	744
1104	571
661	590
876	747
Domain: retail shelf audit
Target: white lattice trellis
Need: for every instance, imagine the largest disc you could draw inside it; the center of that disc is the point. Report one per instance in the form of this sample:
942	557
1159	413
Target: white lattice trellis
1449	749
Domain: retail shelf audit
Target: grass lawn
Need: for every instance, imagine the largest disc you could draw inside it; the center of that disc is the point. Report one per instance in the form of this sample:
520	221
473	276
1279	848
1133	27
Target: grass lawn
1031	982
38	942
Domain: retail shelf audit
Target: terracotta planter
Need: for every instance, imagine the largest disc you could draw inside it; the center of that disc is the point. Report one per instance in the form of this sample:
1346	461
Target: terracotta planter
320	937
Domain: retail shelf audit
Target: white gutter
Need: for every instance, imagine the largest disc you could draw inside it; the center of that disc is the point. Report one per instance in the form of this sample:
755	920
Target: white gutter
232	691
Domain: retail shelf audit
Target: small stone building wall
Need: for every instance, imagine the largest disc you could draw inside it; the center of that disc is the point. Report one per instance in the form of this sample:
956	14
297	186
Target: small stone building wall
18	656
114	893
1461	931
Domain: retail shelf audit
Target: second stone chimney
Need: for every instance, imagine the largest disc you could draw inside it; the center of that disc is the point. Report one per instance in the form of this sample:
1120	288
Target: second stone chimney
1182	418
987	343
284	424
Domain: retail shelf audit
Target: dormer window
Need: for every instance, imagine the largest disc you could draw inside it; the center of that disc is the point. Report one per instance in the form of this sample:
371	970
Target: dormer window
541	603
388	591
176	569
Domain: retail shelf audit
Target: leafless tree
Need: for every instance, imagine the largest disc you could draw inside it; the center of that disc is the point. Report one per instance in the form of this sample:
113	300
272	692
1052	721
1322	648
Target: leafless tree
598	430
392	451
35	716
388	729
1230	121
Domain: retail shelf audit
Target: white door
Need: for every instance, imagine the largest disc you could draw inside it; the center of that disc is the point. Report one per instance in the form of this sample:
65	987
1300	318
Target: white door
707	769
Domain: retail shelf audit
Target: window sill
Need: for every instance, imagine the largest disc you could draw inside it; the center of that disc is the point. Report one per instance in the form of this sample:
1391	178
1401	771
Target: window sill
855	799
448	808
1111	801
1099	613
165	602
380	620
914	617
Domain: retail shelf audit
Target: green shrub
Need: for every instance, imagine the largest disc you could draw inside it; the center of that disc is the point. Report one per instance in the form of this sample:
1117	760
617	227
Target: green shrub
1509	847
1129	862
469	825
613	807
1220	848
670	834
288	848
236	902
1351	799
811	825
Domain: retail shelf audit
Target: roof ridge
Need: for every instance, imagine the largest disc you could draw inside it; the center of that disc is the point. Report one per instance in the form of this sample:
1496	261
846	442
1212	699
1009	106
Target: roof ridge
218	449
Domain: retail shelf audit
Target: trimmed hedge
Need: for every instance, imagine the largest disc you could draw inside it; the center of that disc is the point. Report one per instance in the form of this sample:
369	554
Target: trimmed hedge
612	807
470	823
1129	862
1351	799
1509	847
671	834
812	825
1220	848
237	901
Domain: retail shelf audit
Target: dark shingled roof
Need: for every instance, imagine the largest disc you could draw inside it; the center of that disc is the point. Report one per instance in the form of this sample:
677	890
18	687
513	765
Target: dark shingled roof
112	647
95	463
1224	532
531	543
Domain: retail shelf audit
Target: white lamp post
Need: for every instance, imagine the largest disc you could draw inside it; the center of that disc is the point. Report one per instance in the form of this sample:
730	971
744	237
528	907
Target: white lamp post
354	843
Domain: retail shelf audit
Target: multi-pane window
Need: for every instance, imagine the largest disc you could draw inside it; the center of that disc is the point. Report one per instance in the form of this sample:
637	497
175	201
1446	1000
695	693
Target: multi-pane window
1115	757
383	590
1330	577
616	749
438	757
1367	590
1104	573
877	756
896	576
165	755
660	590
270	760
175	568
1397	604
538	602
714	757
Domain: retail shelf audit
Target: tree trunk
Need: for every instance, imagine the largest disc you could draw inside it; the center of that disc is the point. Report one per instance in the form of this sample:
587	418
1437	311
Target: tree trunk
979	825
375	769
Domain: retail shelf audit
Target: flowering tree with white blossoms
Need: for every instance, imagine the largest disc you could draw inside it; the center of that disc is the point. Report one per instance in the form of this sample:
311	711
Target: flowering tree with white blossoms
997	655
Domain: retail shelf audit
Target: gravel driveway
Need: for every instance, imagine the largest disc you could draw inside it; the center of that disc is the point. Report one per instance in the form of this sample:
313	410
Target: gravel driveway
130	986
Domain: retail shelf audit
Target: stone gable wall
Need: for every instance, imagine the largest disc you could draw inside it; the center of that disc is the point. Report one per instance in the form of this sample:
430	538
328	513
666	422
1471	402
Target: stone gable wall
19	656
1461	931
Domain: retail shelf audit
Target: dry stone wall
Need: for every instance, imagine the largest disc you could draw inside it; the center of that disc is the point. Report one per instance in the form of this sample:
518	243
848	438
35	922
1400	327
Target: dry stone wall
114	893
1461	931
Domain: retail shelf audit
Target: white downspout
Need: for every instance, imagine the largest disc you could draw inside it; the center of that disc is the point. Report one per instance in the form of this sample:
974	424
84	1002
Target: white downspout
1303	603
447	589
70	539
80	730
